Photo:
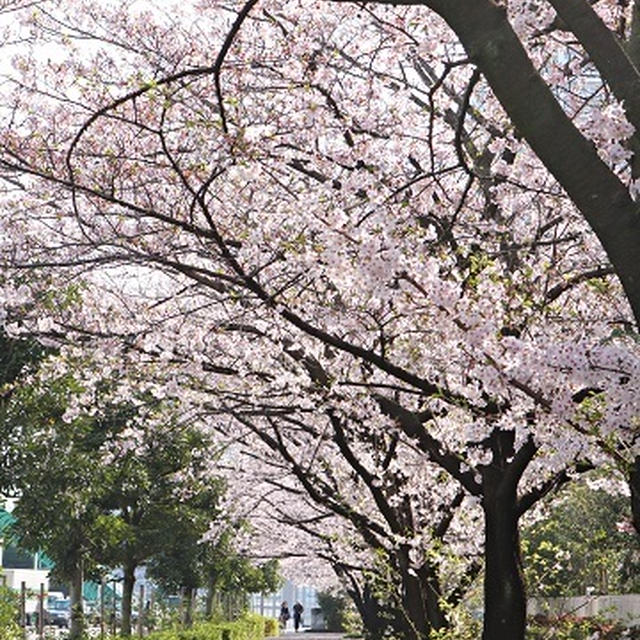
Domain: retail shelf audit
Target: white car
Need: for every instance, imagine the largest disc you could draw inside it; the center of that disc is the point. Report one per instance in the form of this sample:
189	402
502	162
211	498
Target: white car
59	613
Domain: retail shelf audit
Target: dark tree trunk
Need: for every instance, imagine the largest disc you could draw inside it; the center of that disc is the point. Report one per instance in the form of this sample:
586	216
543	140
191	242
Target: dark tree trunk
433	597
421	599
211	589
504	594
76	630
368	605
127	597
602	198
634	485
370	610
415	624
187	607
378	618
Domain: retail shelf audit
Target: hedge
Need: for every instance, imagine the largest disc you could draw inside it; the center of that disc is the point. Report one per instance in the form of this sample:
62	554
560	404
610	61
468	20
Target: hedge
249	627
569	627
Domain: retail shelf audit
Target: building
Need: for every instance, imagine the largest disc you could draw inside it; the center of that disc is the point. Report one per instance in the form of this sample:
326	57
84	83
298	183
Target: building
269	604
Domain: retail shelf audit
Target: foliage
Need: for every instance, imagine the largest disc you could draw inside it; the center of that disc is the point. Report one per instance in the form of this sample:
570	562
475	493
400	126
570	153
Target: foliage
468	629
583	541
249	627
572	628
271	628
223	569
86	497
18	356
149	489
334	609
56	474
9	628
362	255
177	560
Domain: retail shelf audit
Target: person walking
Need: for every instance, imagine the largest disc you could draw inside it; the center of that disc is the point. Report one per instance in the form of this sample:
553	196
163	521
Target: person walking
284	615
297	615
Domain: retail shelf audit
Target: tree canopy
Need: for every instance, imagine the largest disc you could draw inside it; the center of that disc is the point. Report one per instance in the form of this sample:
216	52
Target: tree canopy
377	242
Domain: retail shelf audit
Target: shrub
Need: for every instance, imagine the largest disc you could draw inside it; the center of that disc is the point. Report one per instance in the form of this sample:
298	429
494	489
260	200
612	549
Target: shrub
574	628
9	628
249	627
271	628
334	608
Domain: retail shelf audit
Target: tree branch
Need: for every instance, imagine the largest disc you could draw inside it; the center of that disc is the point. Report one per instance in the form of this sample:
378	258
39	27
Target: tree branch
606	52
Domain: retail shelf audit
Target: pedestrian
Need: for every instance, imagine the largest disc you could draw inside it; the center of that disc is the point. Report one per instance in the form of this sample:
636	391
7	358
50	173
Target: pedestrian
297	615
284	615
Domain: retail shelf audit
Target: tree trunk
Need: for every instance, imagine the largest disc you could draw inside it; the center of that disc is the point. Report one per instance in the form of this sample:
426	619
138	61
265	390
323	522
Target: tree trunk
633	48
414	615
504	596
187	607
432	597
421	599
601	196
369	610
127	597
368	605
211	588
76	630
634	485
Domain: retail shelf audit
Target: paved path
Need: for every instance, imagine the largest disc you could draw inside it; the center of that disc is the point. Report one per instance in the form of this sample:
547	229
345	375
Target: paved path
309	635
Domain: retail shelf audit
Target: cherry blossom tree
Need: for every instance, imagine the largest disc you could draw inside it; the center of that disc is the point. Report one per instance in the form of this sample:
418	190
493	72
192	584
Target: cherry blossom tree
359	502
348	219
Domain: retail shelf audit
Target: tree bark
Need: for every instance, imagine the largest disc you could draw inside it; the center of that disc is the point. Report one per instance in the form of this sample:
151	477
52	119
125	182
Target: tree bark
420	599
211	587
602	198
187	607
76	630
633	48
605	50
369	609
415	623
504	595
633	45
634	485
604	201
127	597
433	597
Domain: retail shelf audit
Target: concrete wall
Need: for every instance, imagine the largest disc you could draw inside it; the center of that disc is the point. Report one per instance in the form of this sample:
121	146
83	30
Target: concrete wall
625	608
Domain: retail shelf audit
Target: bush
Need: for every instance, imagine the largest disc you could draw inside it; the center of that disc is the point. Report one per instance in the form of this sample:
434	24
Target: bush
574	628
249	627
9	628
271	628
334	610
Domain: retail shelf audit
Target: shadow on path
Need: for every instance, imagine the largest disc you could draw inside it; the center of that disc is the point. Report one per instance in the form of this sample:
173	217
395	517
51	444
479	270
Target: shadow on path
309	635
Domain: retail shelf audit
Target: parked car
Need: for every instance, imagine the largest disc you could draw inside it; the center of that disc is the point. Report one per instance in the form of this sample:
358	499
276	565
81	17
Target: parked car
59	613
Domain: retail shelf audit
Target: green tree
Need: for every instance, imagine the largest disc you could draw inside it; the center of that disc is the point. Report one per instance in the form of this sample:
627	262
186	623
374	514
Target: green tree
582	543
334	609
57	476
197	551
177	563
146	486
98	482
17	357
223	570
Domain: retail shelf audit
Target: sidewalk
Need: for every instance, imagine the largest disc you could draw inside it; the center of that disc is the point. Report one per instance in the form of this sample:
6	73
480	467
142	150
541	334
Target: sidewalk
309	635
